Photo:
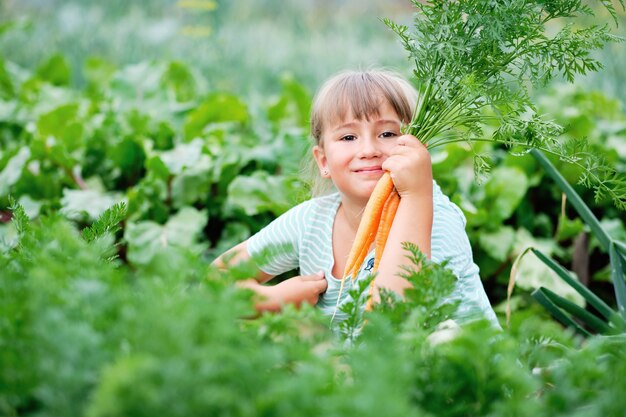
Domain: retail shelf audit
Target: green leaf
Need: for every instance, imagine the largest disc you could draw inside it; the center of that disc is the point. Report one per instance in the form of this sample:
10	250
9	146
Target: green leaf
89	204
587	318
217	107
9	237
556	312
260	193
108	222
56	70
193	184
7	89
498	244
98	72
184	156
292	106
129	156
533	273
62	124
157	167
504	191
180	80
591	298
148	240
13	170
574	199
568	229
617	276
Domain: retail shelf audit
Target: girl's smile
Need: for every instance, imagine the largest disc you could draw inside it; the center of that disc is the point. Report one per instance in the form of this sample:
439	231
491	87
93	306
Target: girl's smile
352	151
370	170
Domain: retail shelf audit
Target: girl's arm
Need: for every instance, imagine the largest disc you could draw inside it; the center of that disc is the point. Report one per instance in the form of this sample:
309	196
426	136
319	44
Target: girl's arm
296	290
411	170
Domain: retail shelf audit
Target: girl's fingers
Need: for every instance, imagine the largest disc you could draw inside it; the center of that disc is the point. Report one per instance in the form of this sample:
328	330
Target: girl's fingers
409	140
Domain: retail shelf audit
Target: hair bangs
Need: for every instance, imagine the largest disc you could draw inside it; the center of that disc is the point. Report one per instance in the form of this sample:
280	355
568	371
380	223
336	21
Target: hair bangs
360	95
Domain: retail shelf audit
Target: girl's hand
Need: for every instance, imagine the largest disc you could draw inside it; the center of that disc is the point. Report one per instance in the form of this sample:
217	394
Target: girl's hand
410	168
296	290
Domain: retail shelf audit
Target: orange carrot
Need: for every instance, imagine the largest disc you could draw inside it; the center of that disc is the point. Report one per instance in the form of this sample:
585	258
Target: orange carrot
366	233
386	220
369	223
384	227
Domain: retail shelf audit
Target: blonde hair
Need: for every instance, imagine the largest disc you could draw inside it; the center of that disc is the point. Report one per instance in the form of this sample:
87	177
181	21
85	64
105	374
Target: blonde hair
360	93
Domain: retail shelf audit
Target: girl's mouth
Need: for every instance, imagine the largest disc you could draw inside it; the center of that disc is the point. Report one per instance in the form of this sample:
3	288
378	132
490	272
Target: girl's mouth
369	170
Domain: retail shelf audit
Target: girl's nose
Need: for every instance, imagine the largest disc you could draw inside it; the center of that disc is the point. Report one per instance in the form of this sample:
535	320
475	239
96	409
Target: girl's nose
370	148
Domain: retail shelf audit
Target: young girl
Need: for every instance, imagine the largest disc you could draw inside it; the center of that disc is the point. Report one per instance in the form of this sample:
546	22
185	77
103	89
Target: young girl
356	123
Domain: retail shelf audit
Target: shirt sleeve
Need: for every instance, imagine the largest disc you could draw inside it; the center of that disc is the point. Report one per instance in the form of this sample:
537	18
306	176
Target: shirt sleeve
450	242
276	247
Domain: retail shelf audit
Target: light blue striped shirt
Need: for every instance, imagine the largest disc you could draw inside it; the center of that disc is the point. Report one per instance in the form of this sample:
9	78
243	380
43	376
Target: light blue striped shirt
308	229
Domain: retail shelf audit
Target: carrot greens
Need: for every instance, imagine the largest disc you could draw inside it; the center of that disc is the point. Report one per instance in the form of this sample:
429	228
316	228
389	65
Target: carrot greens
477	61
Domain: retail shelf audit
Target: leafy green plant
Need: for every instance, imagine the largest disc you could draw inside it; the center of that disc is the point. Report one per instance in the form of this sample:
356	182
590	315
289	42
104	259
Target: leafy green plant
152	137
474	63
564	310
82	334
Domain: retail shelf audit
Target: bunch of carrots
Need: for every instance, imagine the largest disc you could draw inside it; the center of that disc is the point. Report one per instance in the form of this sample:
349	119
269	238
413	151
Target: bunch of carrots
375	226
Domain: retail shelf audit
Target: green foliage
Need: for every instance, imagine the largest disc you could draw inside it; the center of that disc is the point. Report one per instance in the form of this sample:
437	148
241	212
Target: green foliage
82	335
159	168
539	217
150	137
475	62
565	311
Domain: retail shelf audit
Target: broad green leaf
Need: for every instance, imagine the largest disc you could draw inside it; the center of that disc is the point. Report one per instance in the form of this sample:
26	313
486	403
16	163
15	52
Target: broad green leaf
62	124
157	167
147	239
184	227
87	204
498	244
55	70
532	273
138	81
129	157
504	191
7	89
184	156
292	106
259	193
9	238
193	184
13	170
568	229
180	80
97	71
217	107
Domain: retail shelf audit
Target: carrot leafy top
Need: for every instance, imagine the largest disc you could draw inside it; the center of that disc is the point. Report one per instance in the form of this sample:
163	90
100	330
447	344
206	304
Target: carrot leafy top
476	62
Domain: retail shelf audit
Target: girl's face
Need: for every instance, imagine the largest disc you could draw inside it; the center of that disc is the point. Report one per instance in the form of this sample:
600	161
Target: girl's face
352	151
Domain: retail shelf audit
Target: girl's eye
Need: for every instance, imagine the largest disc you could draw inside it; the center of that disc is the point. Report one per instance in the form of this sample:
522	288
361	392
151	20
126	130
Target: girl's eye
388	134
348	137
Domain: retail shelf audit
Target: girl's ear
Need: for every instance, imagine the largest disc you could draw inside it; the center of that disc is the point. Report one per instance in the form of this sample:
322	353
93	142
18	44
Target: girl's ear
322	162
